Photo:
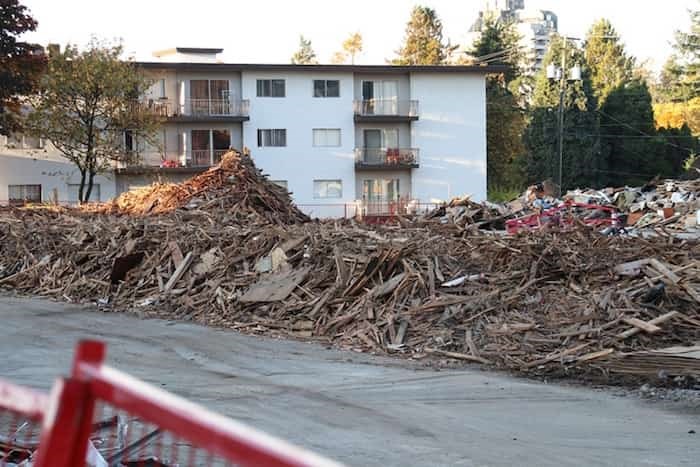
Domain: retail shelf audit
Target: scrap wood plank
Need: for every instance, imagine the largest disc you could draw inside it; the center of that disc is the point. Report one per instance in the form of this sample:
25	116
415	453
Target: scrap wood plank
595	355
178	272
387	287
663	269
643	325
275	287
175	253
658	320
631	268
557	355
457	355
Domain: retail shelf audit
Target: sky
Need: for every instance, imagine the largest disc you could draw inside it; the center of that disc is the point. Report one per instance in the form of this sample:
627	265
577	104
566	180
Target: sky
253	31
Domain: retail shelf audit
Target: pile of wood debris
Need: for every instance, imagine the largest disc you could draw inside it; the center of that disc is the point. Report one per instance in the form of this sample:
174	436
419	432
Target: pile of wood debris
235	184
547	303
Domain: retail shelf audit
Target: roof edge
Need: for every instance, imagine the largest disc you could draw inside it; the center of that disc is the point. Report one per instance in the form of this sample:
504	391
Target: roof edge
485	69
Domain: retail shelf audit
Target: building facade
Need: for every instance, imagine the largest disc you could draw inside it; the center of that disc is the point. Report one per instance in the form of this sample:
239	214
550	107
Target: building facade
334	135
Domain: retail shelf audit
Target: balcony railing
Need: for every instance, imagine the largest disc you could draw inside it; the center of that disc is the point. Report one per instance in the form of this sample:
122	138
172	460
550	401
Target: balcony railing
160	107
386	157
385	107
217	107
207	157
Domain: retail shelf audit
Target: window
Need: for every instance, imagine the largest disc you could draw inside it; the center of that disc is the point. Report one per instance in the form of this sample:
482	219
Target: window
282	183
324	137
24	193
324	189
129	145
270	88
326	88
73	192
272	138
157	90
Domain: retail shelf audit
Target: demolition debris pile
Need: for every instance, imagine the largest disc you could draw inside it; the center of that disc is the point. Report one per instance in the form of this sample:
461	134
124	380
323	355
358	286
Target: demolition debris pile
548	302
235	185
669	205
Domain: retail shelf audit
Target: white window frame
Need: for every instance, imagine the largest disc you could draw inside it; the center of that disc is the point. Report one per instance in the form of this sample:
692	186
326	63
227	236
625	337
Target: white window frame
23	192
260	90
274	135
321	185
323	136
325	89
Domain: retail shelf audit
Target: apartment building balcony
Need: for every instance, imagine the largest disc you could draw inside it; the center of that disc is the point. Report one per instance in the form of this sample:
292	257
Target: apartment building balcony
206	157
386	158
213	110
385	110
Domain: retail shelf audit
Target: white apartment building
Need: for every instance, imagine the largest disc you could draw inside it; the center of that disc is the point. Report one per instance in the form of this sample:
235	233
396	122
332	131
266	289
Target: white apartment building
337	136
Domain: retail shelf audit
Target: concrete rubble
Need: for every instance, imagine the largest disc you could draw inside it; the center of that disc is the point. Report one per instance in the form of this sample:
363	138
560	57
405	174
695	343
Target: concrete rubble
229	249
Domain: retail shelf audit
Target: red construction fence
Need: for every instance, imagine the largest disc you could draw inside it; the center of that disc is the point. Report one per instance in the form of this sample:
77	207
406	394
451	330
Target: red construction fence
101	417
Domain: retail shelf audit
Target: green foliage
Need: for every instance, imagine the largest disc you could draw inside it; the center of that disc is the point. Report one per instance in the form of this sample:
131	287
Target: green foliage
582	162
423	43
609	65
305	55
503	193
21	63
691	162
86	101
505	119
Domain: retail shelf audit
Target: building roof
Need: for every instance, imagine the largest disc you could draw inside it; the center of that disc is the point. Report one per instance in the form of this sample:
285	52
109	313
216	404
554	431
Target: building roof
188	50
327	68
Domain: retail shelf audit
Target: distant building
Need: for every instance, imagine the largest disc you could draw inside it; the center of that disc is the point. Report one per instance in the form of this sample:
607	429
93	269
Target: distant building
534	26
337	136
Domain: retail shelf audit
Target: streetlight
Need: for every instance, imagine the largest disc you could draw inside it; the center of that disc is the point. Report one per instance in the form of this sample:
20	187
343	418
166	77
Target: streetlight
560	73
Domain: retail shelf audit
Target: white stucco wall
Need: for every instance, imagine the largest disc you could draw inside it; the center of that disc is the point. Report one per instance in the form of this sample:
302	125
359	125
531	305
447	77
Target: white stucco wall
29	167
451	135
299	163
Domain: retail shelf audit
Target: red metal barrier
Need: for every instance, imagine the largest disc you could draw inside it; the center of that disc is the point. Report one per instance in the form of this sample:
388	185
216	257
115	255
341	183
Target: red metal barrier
104	418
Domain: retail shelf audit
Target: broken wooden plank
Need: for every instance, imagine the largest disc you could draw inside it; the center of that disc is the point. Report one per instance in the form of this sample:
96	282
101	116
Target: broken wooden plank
658	320
643	325
275	287
178	272
458	356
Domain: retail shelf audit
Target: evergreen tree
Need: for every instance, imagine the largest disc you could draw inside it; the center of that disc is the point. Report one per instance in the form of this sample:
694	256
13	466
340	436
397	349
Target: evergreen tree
609	65
305	55
688	49
21	63
582	163
423	43
505	119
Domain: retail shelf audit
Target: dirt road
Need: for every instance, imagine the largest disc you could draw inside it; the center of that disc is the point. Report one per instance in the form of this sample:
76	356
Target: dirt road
357	409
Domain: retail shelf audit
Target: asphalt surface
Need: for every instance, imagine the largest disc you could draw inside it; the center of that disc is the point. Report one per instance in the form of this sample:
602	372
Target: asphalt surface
357	409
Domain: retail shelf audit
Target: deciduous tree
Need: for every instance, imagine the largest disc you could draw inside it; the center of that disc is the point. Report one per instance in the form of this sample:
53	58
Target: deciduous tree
353	46
21	63
86	103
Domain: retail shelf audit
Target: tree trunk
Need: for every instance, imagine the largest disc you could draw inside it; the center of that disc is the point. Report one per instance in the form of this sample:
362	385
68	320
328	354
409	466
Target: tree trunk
91	179
81	188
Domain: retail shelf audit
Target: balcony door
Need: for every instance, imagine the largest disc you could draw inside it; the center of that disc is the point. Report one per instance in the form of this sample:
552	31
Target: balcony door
209	97
380	190
209	145
378	143
380	97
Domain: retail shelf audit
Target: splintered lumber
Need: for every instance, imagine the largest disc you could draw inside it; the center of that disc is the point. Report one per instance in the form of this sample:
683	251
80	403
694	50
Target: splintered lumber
178	273
275	287
546	303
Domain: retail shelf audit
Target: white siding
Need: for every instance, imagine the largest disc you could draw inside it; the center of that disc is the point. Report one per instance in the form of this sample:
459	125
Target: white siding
300	163
51	172
450	134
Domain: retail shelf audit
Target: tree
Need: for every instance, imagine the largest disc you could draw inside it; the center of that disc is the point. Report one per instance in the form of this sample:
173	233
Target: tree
86	106
305	55
505	116
21	63
339	58
582	163
423	43
609	65
353	46
687	47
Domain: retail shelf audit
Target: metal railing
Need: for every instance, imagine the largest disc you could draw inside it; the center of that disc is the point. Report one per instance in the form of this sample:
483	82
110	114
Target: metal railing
388	107
217	107
386	157
207	157
160	107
